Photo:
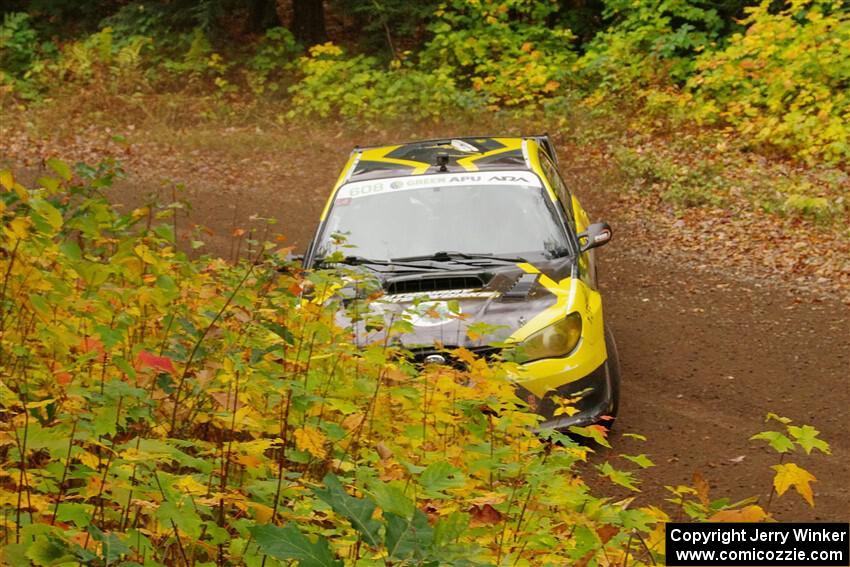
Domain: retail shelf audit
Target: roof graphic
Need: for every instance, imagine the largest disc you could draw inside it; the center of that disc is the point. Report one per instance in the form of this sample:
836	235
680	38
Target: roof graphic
416	158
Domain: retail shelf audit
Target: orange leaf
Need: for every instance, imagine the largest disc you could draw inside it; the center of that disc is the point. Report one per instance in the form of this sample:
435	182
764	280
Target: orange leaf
63	378
484	515
161	363
701	486
606	532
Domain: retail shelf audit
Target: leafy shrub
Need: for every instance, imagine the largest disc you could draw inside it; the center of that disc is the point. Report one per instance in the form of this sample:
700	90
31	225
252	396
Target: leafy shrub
21	55
505	50
784	82
357	87
99	61
17	44
275	56
650	43
388	26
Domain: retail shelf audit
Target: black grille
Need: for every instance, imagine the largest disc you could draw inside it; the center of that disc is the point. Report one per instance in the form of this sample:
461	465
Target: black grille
433	284
486	352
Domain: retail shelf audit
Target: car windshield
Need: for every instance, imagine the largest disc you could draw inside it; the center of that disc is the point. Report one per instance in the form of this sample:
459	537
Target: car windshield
499	213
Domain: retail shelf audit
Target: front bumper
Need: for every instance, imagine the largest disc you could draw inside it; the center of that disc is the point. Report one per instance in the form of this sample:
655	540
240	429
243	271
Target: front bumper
594	400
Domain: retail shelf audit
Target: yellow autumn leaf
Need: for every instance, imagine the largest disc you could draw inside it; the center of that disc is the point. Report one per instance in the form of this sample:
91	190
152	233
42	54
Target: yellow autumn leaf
89	460
7	180
311	440
145	254
189	485
746	514
18	228
262	513
789	475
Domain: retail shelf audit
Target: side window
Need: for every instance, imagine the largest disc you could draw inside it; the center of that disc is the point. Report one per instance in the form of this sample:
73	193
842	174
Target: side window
558	186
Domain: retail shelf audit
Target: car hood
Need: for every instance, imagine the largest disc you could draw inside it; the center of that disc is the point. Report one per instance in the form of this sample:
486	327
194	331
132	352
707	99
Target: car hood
467	307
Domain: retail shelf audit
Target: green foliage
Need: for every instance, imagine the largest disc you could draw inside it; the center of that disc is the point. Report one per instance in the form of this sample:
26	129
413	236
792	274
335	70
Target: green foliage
693	184
273	60
784	82
17	42
21	54
101	59
504	49
649	43
357	88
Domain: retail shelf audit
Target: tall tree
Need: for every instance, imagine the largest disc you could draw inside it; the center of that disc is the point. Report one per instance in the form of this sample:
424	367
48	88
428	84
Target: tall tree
262	15
308	21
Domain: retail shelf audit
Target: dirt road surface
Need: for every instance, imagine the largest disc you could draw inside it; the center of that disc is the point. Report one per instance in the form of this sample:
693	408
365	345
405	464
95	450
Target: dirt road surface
707	346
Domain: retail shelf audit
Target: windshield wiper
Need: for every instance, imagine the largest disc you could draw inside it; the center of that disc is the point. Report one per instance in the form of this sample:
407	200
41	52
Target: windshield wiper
362	261
449	256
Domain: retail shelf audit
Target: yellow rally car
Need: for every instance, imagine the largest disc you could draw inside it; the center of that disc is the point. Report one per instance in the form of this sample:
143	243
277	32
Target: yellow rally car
481	233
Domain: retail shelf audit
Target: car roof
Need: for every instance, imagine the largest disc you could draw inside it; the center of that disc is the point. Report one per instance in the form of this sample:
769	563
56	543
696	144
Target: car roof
465	154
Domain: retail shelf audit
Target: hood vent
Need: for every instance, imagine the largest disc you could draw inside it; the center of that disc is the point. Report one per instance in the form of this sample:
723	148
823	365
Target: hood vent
522	287
420	285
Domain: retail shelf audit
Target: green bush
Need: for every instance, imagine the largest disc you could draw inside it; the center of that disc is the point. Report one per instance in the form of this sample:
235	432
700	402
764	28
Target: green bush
505	50
359	88
21	54
649	43
785	82
274	59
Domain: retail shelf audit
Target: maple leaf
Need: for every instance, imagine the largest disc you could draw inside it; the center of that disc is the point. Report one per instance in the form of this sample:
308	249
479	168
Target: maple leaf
807	438
160	363
779	442
624	479
788	475
311	440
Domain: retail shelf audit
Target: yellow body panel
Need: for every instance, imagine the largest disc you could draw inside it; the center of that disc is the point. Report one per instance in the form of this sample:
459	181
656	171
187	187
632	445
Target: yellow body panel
572	295
339	181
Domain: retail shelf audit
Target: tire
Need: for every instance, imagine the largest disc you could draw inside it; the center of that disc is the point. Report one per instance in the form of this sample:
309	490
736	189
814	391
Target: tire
612	374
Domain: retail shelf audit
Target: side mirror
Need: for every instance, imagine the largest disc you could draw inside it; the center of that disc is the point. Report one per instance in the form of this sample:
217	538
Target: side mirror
596	235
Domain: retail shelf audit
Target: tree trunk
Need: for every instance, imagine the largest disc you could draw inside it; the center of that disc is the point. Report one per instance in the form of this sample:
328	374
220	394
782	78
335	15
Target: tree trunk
262	15
308	22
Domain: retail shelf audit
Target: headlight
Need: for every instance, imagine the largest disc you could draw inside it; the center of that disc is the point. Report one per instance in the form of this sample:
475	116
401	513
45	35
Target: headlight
558	339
